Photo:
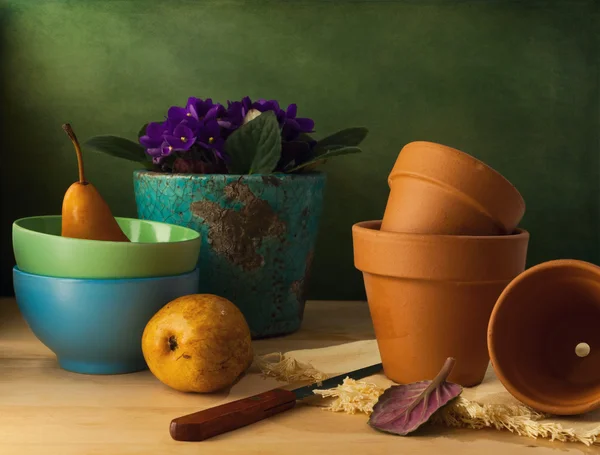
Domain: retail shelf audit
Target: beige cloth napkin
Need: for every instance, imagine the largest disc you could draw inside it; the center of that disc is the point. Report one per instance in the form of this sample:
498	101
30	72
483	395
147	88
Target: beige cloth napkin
487	405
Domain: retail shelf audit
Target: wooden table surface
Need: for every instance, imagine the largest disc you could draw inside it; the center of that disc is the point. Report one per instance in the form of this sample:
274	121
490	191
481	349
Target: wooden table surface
46	410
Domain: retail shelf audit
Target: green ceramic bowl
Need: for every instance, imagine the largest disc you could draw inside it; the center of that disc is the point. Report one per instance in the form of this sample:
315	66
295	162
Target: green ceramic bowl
156	249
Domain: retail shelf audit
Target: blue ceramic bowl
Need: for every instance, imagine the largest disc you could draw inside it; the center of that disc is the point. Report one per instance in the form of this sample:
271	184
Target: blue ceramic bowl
96	326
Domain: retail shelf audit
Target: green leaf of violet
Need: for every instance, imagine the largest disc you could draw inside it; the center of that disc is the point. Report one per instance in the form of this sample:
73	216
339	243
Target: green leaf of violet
118	147
255	148
325	156
344	138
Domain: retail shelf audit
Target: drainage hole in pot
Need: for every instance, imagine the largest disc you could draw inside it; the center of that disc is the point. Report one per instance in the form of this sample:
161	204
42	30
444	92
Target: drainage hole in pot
582	350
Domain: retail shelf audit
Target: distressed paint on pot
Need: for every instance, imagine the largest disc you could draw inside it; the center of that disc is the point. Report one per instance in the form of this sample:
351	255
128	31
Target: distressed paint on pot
431	296
544	337
258	237
436	189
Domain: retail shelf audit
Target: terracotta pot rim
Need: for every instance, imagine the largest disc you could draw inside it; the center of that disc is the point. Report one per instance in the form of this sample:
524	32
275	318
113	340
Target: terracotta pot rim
441	258
572	409
472	162
372	228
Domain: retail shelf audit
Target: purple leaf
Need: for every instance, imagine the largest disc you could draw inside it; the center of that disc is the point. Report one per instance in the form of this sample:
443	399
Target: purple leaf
402	409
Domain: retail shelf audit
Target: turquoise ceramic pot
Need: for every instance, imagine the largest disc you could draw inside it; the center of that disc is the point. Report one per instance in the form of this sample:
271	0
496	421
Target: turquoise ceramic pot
95	326
258	236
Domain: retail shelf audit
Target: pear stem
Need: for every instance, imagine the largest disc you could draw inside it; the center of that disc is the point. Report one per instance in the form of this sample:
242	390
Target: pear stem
71	133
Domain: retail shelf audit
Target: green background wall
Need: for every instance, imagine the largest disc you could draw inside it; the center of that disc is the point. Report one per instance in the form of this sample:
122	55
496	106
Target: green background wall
513	83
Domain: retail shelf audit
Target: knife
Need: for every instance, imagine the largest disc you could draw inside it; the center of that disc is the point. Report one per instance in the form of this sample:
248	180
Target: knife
210	422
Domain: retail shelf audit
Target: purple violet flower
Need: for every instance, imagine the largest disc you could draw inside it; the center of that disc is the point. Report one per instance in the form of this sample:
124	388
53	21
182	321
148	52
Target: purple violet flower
158	159
175	115
154	135
204	110
218	113
264	105
210	138
160	152
203	126
179	115
271	105
182	138
236	111
293	126
198	108
154	138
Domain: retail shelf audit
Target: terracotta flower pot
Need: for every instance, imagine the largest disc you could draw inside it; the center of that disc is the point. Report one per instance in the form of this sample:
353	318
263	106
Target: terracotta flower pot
436	189
431	296
544	337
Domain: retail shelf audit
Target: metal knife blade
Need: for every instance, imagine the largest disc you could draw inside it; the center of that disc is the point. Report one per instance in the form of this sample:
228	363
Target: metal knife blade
210	422
303	392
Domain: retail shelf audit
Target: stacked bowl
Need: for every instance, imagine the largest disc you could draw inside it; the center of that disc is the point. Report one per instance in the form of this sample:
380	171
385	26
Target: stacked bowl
88	301
433	268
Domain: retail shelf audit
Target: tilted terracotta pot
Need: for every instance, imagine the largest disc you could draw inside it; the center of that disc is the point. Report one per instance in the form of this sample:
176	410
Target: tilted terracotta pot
544	337
435	189
431	296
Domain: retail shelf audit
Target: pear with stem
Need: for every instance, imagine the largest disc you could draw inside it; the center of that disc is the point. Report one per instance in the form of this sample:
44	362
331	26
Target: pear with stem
85	214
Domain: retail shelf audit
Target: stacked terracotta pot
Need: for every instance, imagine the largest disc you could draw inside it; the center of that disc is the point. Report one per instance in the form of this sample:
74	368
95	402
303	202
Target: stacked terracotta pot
433	268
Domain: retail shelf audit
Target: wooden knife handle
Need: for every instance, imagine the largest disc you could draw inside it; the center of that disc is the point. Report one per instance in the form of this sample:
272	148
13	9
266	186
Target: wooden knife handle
230	416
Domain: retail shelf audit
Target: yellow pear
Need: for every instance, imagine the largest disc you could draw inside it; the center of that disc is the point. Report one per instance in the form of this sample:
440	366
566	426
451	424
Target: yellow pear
85	215
198	343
